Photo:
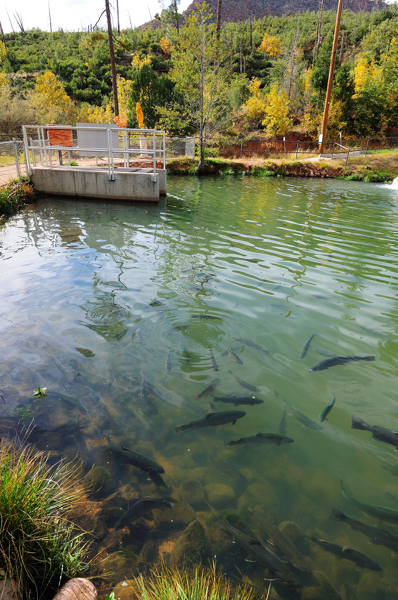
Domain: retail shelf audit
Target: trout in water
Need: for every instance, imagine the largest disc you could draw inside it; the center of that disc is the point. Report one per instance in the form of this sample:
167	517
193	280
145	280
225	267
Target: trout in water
354	556
326	410
378	433
213	419
262	438
261	553
339	360
141	508
134	458
234	356
375	534
306	347
381	513
250	344
213	360
237	400
244	384
209	388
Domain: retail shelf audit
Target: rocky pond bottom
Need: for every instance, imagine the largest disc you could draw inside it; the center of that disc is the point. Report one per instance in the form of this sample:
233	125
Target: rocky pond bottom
224	366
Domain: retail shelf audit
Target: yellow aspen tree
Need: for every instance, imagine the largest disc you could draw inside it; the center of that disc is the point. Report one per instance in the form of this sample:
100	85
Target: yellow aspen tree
166	46
271	45
137	63
3	51
255	105
124	87
277	120
50	96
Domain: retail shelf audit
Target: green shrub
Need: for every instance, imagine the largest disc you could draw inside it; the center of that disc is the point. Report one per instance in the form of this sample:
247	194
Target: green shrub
14	196
39	546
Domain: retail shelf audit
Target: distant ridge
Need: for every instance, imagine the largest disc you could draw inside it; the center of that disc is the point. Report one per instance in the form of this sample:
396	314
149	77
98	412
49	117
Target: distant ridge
236	10
248	10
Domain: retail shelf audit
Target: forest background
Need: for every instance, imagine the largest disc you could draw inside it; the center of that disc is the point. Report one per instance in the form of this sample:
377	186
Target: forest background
265	77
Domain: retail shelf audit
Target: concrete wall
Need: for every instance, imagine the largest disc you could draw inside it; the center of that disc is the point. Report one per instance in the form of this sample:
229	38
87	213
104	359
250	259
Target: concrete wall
94	183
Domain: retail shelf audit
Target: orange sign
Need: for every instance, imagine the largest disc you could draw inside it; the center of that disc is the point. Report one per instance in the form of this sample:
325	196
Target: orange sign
60	137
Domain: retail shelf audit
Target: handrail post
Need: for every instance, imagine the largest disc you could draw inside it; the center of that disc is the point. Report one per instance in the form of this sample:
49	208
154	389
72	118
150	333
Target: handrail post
26	151
164	150
298	142
111	168
16	157
154	151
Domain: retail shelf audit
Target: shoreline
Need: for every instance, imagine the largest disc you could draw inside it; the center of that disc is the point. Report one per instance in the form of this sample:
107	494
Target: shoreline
377	168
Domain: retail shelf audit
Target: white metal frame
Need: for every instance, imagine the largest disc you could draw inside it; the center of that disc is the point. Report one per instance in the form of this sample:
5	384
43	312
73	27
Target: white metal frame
37	142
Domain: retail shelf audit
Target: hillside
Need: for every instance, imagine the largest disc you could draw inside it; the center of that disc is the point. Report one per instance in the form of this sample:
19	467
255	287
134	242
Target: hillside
235	10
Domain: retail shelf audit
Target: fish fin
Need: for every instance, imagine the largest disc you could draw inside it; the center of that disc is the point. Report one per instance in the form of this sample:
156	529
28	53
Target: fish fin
258	434
209	414
337	515
178	428
251	560
196	396
233	422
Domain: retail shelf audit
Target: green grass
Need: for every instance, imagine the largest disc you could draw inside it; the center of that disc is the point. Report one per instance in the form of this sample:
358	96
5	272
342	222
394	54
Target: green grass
14	196
199	583
40	547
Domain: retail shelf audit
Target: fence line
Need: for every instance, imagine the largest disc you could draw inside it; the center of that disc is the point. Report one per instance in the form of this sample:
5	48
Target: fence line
265	148
12	161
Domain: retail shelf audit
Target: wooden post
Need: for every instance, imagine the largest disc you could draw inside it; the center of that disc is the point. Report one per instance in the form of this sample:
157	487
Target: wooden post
330	80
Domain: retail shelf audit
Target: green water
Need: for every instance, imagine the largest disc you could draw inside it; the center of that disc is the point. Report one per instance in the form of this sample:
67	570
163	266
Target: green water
98	298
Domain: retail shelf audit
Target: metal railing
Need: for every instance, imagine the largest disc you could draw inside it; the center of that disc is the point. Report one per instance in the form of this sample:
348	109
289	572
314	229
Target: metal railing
12	162
47	145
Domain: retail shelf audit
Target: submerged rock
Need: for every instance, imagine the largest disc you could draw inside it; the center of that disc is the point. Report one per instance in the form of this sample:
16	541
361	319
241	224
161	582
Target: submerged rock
174	518
191	546
99	482
119	541
121	563
370	587
124	590
323	591
150	552
192	492
220	495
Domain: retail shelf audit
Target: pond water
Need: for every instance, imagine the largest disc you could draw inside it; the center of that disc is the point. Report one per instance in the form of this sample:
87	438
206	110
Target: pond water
125	313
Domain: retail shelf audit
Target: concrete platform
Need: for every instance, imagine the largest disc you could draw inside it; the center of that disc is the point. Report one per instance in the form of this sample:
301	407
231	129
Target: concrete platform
129	184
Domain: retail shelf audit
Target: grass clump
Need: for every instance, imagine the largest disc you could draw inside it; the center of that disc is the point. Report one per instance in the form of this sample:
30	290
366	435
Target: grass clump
198	583
40	547
14	196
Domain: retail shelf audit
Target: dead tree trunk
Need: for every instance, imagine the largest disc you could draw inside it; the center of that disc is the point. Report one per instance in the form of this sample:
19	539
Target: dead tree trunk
112	55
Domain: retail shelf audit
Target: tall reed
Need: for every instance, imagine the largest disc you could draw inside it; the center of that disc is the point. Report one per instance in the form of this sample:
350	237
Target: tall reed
198	583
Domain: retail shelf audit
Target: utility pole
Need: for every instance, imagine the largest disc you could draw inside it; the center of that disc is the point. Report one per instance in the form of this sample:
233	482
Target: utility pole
330	80
112	55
